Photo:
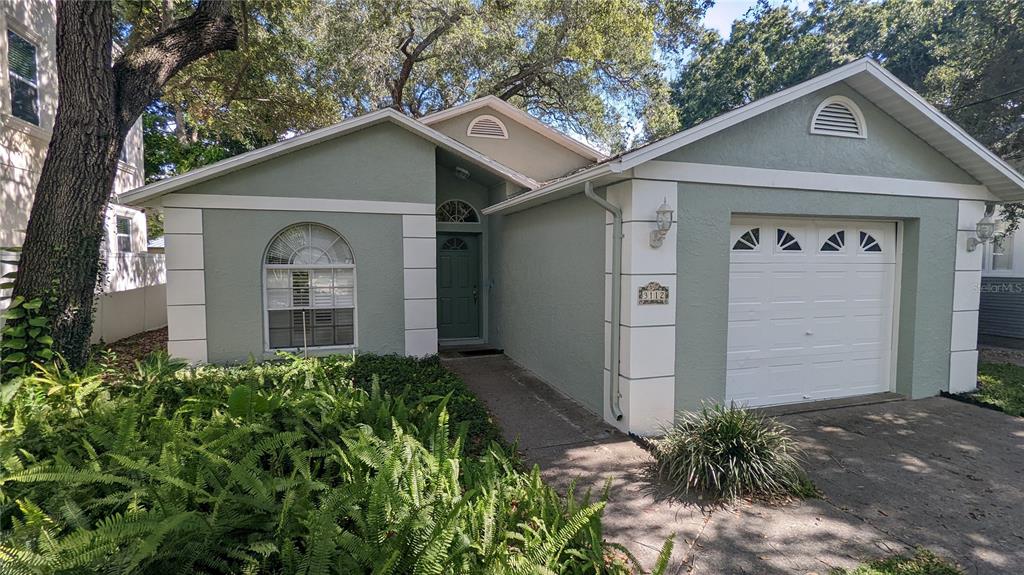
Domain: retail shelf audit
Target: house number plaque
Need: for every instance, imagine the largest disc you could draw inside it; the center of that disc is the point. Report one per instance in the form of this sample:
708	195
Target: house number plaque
653	293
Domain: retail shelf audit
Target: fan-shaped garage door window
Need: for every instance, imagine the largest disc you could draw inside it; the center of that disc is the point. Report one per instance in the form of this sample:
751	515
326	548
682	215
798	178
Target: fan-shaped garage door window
310	289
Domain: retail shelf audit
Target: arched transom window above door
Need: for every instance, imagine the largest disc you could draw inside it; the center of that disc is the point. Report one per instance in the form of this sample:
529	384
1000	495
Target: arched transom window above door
309	289
457	212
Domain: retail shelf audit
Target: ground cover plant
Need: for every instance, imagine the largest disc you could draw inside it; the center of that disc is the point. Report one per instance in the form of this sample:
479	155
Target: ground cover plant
726	452
923	562
1001	385
284	467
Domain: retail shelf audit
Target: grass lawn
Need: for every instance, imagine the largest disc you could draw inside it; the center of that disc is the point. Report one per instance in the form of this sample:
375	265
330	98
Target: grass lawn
922	563
1001	385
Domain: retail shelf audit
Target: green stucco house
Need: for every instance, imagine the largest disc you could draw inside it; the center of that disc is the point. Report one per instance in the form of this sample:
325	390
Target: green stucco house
814	244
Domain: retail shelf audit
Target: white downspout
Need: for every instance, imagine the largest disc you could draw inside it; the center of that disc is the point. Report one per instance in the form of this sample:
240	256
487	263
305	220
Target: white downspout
616	212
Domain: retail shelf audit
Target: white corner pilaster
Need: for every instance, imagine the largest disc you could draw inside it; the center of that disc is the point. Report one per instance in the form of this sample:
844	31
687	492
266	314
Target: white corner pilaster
963	355
648	330
186	284
419	255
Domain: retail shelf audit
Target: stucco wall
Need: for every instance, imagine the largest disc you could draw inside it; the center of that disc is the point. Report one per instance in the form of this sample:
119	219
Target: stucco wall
525	150
234	243
382	162
779	140
547	303
926	280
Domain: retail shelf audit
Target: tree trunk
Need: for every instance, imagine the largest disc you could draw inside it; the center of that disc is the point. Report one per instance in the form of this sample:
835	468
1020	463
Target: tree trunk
98	104
61	253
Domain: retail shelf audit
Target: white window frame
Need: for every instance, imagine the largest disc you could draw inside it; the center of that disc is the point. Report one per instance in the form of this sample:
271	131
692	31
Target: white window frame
266	299
37	45
118	236
854	109
988	258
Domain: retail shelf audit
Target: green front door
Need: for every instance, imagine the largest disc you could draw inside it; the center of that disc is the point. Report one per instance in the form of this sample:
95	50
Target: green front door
458	286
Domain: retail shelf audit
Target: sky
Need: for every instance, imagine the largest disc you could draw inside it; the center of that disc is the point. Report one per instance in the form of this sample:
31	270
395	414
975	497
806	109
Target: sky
722	14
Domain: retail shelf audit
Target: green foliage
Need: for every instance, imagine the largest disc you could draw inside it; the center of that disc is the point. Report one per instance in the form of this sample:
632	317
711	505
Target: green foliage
923	562
1001	385
26	337
281	467
727	452
425	380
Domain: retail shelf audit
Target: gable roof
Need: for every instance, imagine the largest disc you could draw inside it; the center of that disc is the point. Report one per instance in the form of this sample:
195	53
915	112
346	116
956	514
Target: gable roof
224	167
520	117
866	77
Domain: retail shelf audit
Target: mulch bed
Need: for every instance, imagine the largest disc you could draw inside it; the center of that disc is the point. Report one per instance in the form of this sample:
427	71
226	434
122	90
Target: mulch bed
126	351
1001	355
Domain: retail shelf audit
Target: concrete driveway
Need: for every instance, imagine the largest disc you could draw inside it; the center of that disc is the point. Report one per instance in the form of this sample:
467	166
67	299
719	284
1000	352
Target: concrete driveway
933	473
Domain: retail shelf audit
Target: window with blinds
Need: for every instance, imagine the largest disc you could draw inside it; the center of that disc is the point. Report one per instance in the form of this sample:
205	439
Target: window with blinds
23	74
310	289
124	234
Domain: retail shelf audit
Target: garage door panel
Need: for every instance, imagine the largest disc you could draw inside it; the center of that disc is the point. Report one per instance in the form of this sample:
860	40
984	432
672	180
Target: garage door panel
810	325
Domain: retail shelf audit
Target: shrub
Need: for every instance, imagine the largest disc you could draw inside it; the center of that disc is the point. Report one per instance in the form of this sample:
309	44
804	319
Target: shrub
923	562
268	468
727	452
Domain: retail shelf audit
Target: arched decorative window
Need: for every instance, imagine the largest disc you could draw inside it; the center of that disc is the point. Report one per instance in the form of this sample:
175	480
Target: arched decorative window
487	126
835	243
310	289
838	116
786	241
748	241
457	212
868	243
454	245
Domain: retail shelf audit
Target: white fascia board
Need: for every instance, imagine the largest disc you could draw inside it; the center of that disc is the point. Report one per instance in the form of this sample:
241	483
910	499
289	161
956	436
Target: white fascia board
521	117
553	191
740	114
951	127
865	65
156	189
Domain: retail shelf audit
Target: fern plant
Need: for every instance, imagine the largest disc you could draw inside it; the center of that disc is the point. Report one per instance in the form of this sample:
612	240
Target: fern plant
175	470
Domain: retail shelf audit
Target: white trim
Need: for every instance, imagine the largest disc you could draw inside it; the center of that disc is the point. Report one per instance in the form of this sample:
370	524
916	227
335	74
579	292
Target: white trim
862	127
283	203
157	189
1002	180
520	117
767	178
183	221
484	118
419	274
897	299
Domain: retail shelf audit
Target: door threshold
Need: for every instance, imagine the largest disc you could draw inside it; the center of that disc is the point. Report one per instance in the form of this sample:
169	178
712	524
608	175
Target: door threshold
826	404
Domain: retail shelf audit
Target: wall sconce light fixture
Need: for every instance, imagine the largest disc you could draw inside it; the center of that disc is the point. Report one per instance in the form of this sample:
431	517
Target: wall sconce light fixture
985	229
664	221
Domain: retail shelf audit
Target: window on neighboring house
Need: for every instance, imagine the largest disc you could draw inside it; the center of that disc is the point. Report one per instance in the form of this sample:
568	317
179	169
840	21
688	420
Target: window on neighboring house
310	289
1001	256
124	234
24	78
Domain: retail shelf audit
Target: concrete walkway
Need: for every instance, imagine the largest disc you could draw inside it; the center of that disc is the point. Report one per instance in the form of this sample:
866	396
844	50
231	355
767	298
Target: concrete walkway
934	473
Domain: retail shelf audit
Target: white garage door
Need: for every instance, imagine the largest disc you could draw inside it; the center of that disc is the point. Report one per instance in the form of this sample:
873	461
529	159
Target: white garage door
810	309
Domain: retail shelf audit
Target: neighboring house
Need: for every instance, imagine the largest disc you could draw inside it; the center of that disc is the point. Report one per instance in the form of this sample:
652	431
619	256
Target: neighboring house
1001	320
133	288
818	249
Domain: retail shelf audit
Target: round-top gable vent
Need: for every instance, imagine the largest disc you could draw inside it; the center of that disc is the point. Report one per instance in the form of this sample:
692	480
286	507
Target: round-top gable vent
838	116
487	126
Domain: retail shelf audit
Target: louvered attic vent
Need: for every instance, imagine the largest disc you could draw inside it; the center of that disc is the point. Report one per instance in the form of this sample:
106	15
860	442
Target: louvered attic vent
838	116
487	126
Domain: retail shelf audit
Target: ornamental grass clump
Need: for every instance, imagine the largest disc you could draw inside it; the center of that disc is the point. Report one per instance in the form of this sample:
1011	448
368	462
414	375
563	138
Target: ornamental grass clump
727	452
